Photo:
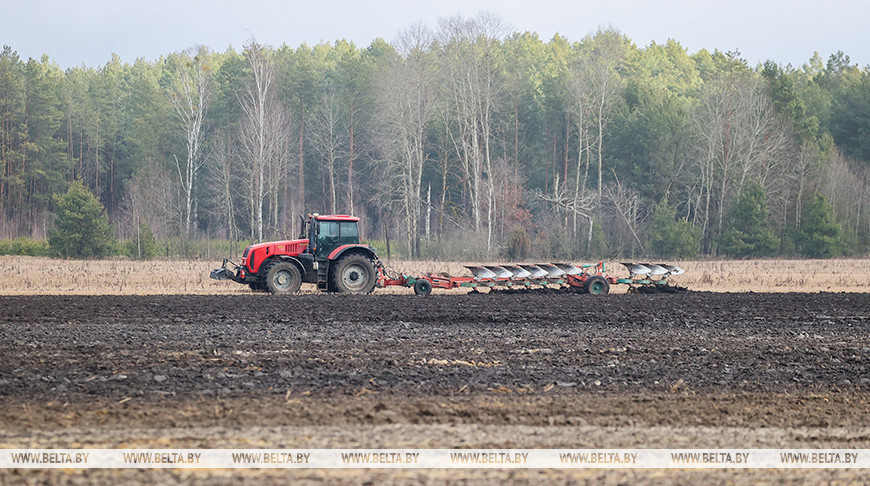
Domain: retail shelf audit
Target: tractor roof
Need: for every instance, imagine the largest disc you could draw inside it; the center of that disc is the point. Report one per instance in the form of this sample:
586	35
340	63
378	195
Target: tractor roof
335	217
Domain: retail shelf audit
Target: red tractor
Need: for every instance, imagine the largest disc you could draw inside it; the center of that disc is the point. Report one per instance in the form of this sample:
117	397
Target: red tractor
328	253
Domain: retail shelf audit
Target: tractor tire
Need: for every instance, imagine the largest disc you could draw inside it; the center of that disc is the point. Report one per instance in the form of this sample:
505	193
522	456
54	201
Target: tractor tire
257	286
353	274
596	285
283	278
423	287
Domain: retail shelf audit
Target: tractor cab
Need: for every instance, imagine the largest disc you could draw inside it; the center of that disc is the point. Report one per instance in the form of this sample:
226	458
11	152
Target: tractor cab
327	233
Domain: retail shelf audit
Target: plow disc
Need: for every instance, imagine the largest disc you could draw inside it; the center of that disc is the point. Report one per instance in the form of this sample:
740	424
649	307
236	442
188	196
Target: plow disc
651	278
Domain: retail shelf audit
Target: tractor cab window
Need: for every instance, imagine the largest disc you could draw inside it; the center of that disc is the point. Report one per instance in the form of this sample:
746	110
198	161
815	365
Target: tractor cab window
333	234
349	233
329	229
327	237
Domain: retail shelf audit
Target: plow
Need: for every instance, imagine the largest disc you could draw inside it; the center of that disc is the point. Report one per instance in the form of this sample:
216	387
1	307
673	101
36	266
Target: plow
328	253
548	277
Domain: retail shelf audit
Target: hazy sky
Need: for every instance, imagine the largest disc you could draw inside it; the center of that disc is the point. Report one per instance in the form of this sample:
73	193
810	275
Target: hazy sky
74	32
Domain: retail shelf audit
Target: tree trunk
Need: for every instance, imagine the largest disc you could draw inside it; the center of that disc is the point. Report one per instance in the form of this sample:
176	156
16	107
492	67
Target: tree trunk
301	189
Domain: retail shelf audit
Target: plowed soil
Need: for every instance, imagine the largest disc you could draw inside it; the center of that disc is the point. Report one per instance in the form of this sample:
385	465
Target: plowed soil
488	371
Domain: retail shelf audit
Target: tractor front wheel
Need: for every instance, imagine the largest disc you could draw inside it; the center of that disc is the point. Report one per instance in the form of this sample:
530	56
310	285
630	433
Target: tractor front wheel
354	274
283	278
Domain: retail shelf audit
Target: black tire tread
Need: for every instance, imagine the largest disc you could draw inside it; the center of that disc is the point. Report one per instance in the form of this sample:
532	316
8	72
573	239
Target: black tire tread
337	267
275	266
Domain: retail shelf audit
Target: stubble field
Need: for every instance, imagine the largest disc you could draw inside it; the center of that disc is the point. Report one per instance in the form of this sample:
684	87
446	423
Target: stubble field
155	355
44	276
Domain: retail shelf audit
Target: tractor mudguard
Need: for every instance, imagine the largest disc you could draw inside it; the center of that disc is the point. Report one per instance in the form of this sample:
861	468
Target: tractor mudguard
369	251
294	260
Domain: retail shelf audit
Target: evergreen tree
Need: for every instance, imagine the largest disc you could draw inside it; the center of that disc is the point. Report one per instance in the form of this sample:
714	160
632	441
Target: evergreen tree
82	228
566	119
821	235
143	246
748	232
788	103
671	237
850	123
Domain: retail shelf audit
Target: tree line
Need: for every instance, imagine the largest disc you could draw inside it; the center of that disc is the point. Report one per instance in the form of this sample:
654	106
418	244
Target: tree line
461	141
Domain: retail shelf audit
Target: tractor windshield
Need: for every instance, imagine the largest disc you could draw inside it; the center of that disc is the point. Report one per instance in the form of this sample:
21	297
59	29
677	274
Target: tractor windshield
333	234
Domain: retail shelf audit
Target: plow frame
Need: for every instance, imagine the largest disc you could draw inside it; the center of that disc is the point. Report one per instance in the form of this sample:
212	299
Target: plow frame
424	284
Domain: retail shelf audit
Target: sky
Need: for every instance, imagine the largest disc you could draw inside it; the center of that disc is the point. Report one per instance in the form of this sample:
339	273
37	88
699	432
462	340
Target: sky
76	32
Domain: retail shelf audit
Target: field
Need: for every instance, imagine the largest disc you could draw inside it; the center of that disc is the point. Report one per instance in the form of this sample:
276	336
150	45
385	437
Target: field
210	364
44	276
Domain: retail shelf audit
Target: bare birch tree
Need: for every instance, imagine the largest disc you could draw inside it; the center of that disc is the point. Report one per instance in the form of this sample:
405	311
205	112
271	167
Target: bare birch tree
263	132
801	173
280	165
563	201
844	184
329	139
406	102
150	197
469	54
606	60
738	137
626	204
581	106
190	91
223	178
762	138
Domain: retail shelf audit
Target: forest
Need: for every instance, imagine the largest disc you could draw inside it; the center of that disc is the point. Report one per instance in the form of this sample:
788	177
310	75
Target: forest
457	141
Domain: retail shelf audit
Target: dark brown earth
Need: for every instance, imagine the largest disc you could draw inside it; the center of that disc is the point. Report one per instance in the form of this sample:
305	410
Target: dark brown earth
505	370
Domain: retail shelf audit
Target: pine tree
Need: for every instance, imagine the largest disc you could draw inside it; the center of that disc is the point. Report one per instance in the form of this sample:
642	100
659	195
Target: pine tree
748	232
143	246
821	235
82	228
673	238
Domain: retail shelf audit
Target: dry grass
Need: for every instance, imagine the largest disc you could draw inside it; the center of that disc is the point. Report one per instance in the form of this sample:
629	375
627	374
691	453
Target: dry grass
37	275
730	275
847	275
34	275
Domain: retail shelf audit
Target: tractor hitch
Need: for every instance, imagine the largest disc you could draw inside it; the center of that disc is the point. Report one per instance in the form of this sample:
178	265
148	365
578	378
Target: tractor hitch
224	273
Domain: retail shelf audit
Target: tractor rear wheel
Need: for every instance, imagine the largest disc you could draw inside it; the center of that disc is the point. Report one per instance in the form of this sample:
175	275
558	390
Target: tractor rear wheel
596	285
283	278
354	274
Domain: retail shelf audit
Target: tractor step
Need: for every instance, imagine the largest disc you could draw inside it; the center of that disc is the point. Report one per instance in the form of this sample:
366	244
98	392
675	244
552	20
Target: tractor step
323	276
